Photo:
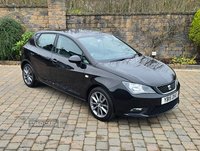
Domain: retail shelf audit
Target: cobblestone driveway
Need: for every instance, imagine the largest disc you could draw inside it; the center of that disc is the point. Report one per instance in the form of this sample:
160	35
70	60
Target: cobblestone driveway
76	129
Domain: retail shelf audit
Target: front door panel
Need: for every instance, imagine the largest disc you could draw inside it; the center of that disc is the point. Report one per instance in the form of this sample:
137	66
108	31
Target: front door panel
67	76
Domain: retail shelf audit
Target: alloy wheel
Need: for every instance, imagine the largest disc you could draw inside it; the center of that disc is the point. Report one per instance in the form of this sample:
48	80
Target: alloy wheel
99	104
28	76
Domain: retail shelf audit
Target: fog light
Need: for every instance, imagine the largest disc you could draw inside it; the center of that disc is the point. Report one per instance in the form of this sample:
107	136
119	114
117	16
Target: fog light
136	109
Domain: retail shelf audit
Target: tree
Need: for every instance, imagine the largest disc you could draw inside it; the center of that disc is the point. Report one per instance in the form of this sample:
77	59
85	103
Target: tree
195	30
168	33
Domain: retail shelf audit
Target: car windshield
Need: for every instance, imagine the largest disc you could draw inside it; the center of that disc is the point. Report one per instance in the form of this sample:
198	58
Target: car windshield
107	47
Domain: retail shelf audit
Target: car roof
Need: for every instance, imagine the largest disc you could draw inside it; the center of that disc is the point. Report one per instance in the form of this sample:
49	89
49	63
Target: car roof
77	33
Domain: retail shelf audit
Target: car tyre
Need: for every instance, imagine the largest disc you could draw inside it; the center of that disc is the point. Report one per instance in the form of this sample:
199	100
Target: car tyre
29	76
101	105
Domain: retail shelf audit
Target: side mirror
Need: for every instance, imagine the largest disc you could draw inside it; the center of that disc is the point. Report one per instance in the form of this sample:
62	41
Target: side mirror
74	59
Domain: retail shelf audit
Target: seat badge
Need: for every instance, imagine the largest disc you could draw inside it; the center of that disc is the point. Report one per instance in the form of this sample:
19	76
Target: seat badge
169	87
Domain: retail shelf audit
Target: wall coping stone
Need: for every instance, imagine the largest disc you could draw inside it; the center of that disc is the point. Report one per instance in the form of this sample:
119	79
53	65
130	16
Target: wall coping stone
129	14
8	62
180	66
23	6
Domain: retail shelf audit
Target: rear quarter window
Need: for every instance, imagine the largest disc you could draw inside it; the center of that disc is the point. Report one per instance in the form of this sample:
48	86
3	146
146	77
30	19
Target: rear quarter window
46	41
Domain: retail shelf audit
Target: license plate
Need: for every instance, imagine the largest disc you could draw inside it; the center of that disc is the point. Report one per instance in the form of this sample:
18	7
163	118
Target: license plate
169	98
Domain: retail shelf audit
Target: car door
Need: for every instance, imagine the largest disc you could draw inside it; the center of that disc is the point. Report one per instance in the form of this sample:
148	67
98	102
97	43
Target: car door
67	76
41	56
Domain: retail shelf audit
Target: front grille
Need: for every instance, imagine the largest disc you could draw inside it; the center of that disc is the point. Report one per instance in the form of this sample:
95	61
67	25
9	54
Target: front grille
167	88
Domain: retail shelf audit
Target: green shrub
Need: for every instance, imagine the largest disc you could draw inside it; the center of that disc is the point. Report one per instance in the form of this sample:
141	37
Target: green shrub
195	29
184	60
94	29
10	32
17	48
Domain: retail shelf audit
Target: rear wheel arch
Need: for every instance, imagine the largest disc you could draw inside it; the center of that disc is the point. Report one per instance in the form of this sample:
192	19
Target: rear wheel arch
25	62
29	75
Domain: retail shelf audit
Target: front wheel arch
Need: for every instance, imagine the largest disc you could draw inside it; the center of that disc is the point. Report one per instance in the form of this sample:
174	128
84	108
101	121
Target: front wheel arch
95	86
106	105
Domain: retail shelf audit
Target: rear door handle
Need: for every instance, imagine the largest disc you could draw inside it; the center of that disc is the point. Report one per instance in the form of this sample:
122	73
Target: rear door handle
54	61
32	54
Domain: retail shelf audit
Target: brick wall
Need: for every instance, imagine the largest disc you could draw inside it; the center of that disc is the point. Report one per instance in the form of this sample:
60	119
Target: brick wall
139	30
31	17
34	18
57	14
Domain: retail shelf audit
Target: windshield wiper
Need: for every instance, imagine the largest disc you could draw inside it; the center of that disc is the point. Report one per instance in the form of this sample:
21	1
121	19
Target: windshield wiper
121	59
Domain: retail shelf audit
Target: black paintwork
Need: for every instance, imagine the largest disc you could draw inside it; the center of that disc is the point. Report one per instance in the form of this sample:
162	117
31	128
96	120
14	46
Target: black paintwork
79	78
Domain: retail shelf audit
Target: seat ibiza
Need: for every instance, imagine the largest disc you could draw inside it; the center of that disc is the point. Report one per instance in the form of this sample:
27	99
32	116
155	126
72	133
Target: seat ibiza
97	67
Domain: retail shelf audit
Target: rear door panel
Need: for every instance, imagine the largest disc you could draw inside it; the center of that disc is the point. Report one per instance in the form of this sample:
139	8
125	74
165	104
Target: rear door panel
40	56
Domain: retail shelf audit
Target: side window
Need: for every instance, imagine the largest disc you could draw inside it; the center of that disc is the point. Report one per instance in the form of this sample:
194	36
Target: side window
36	36
85	60
46	41
67	48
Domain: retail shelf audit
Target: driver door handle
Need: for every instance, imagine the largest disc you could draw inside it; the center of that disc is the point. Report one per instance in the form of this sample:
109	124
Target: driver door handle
54	61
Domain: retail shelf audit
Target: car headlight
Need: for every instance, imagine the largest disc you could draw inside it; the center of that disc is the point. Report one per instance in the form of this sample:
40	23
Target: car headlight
138	88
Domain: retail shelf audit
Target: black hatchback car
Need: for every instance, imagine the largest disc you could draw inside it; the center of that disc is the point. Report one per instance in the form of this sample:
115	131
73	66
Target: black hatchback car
102	69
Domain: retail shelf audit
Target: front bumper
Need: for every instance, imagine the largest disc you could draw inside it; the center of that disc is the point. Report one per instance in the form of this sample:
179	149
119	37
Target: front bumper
154	111
150	104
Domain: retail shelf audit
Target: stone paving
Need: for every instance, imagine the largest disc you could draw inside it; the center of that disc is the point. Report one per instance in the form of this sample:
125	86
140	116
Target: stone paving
43	118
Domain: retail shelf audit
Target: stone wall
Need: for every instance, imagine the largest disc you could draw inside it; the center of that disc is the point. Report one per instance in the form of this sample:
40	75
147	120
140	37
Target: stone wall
33	18
168	33
57	14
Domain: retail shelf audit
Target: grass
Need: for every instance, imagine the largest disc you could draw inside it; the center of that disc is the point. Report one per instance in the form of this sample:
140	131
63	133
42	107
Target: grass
131	6
23	2
118	6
